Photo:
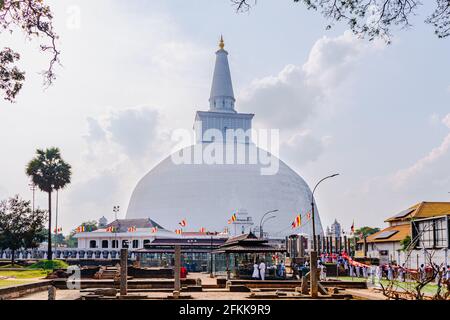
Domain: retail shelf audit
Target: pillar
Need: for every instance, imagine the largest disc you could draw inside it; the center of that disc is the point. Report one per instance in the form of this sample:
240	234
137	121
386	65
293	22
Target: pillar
177	267
123	272
227	259
313	275
345	244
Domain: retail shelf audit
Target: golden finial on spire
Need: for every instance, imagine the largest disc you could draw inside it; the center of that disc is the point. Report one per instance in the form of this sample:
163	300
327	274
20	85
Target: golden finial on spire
221	44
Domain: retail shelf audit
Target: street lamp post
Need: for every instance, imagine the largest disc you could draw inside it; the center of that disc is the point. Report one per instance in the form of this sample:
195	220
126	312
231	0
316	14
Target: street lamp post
261	222
312	209
116	209
313	254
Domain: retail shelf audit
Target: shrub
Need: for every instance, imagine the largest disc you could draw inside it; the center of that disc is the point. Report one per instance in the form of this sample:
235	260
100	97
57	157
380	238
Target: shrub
49	265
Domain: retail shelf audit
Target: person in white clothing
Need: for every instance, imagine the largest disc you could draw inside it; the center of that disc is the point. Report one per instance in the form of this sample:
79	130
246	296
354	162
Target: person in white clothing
262	270
323	272
379	273
358	271
255	274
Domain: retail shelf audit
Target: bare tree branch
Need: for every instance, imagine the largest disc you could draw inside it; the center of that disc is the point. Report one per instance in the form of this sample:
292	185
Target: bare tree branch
373	18
34	18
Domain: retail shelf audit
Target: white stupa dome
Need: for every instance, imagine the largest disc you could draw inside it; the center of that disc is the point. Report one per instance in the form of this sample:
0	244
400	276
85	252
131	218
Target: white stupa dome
207	195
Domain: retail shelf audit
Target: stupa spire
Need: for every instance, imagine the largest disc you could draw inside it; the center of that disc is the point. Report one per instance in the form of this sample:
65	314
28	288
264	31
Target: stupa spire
222	95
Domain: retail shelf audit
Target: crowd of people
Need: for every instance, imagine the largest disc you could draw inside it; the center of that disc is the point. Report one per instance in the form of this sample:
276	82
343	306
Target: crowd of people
350	268
259	270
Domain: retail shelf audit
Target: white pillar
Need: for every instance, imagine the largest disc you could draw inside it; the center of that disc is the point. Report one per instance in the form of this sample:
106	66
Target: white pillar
446	256
20	255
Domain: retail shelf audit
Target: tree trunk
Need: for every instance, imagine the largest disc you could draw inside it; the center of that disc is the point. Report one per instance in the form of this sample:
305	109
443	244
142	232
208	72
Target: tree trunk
13	258
49	241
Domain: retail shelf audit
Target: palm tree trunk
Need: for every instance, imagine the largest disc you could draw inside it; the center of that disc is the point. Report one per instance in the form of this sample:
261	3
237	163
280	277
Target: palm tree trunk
49	241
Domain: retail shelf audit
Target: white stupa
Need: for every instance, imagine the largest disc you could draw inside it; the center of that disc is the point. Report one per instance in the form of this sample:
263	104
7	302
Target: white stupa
207	195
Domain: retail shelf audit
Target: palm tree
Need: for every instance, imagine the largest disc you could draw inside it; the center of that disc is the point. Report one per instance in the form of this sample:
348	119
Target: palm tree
49	173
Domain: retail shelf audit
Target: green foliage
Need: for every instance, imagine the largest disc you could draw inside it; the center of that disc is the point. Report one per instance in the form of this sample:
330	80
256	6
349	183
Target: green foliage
405	242
20	227
89	226
366	231
48	171
49	265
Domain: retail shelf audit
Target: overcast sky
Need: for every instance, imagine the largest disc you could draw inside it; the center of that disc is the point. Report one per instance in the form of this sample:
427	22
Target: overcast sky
133	71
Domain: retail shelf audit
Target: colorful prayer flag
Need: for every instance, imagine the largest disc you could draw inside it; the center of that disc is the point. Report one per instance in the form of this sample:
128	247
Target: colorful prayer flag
183	223
202	230
178	231
132	229
154	229
111	229
233	217
297	222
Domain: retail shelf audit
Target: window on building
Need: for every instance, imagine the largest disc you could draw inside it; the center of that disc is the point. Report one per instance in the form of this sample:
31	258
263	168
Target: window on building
92	244
105	244
146	241
125	244
115	244
135	244
432	233
440	233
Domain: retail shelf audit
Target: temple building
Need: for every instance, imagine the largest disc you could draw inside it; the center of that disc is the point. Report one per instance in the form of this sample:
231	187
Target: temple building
207	194
335	230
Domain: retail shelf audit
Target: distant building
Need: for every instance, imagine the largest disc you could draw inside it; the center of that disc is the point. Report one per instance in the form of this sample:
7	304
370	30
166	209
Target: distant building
243	224
335	230
427	223
102	222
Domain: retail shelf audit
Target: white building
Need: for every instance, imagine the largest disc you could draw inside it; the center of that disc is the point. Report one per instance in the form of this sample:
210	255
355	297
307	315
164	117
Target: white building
120	237
207	194
426	223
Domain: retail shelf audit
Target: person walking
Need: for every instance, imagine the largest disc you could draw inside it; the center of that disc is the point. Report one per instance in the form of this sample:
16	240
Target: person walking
422	272
282	269
379	272
255	274
262	270
323	272
390	273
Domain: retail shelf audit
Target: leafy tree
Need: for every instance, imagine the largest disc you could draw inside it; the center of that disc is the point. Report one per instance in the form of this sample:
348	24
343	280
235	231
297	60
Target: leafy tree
405	242
373	19
49	172
89	226
20	226
35	19
365	231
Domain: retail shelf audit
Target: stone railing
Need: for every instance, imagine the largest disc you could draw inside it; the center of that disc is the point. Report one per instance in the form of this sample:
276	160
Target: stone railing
65	253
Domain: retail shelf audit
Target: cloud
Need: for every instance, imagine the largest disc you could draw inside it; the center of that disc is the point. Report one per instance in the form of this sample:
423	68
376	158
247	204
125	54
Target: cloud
303	147
432	167
134	130
291	98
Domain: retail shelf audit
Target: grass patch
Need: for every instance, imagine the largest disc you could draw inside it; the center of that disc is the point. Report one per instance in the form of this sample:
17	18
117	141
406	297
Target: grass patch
49	265
16	266
25	274
10	283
